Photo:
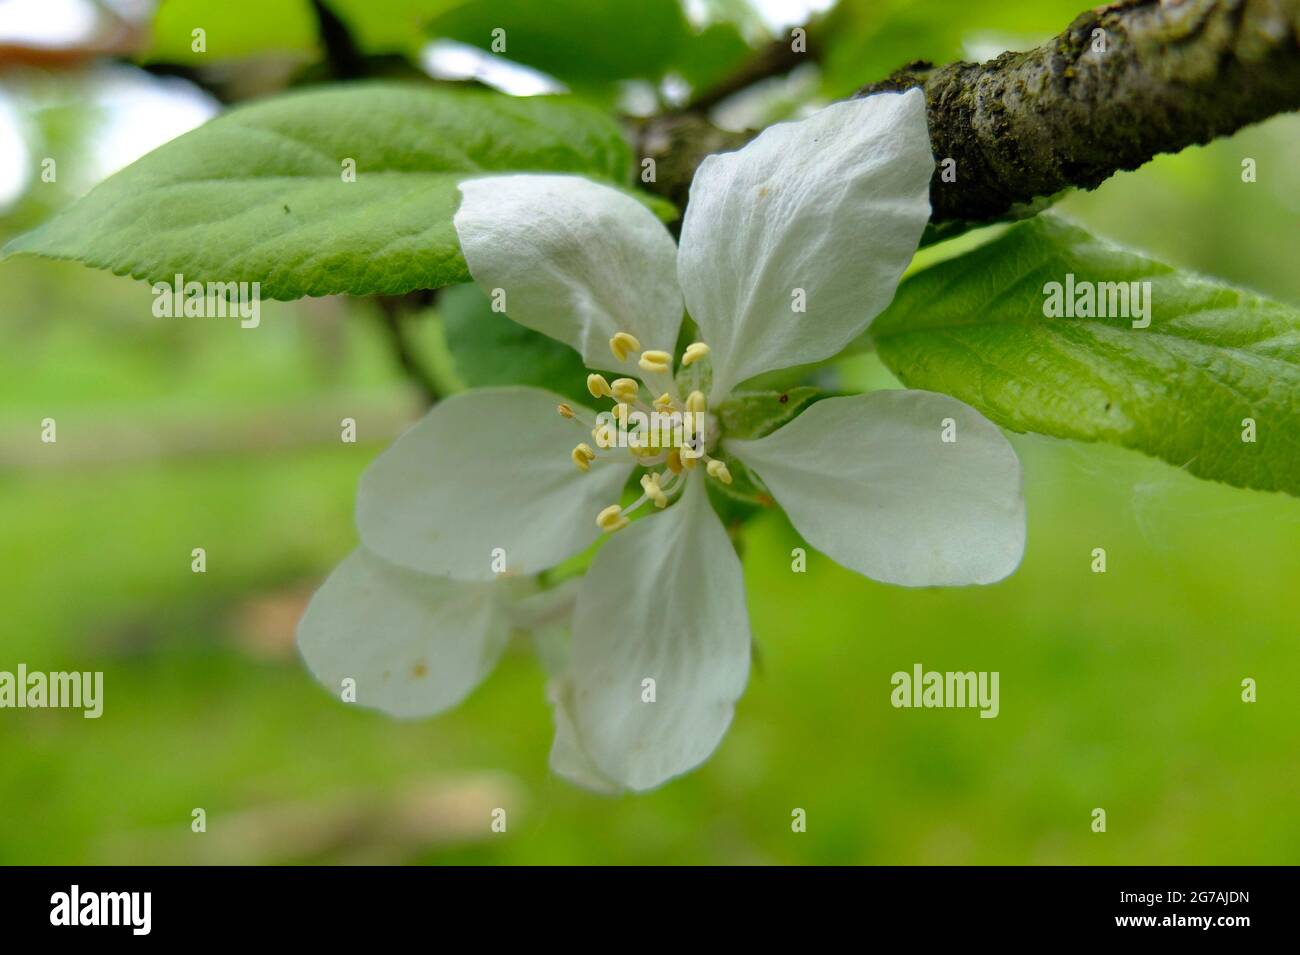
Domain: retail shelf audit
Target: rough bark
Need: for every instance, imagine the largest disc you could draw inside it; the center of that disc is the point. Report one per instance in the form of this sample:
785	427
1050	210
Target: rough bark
1028	125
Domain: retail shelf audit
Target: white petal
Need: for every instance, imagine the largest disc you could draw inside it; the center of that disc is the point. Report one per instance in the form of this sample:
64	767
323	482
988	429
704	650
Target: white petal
547	615
568	758
414	645
664	601
577	260
832	205
483	470
869	481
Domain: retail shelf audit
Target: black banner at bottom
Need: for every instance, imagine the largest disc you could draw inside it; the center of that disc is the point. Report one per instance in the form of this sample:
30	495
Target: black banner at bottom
336	904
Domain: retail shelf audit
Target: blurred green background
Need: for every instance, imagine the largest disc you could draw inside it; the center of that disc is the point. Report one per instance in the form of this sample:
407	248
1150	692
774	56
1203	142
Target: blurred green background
1119	691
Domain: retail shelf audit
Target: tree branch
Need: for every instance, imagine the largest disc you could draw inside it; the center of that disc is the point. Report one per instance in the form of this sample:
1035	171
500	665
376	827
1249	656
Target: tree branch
1028	125
395	313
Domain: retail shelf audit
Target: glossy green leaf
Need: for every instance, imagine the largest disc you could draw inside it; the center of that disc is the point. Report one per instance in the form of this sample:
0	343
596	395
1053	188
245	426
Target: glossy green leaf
1212	384
260	193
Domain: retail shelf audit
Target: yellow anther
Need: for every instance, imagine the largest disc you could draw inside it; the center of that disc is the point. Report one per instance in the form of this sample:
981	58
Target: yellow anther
694	352
718	470
656	361
611	519
696	402
582	456
598	386
674	461
664	403
689	462
650	484
625	389
565	411
603	435
623	345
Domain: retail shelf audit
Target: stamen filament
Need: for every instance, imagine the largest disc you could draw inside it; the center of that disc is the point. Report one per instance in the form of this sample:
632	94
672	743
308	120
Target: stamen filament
581	420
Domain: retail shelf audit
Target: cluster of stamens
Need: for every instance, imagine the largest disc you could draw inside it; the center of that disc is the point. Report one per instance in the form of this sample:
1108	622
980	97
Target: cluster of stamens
658	487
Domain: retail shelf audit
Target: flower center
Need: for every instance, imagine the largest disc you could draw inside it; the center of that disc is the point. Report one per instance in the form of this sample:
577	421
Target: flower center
663	432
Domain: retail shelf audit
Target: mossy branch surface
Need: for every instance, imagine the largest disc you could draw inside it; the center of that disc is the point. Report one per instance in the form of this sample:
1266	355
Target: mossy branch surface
1123	83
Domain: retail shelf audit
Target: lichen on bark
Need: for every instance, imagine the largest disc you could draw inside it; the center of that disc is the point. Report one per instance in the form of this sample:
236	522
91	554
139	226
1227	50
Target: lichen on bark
1121	84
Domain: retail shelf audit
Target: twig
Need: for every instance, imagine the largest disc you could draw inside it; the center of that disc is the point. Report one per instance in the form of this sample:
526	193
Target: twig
1120	85
395	312
776	59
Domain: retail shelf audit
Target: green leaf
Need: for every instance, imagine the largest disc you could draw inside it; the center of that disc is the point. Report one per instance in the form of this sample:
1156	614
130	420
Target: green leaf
489	349
258	193
1180	389
583	42
751	414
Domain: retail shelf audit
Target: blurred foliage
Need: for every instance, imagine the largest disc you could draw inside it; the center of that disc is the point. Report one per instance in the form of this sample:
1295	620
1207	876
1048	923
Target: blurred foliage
233	29
588	44
1118	690
711	55
578	41
389	26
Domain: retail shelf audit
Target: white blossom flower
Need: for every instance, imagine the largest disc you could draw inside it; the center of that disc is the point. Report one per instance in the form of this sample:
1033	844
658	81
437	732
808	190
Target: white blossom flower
831	209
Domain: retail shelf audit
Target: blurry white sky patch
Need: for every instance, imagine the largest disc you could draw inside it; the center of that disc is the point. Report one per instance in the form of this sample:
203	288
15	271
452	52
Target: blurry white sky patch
141	112
778	14
15	159
449	60
984	45
57	24
47	23
128	113
773	15
770	101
